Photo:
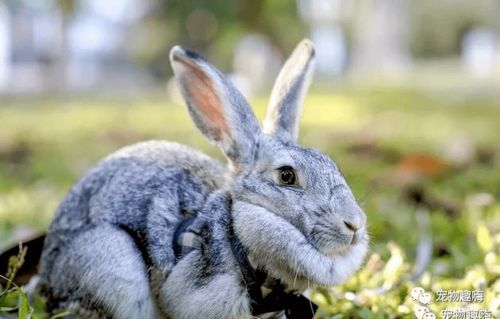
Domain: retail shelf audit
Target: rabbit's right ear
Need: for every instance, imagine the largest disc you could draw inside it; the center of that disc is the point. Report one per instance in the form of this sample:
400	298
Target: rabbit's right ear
218	109
282	118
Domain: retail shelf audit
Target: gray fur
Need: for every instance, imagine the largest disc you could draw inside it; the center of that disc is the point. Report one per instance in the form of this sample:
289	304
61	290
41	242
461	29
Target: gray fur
109	253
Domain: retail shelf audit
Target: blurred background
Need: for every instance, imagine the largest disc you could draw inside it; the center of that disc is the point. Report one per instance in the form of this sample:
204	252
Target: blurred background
61	46
406	99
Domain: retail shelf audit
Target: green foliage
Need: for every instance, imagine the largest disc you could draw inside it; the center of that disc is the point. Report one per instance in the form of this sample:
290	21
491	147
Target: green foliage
47	143
14	301
13	298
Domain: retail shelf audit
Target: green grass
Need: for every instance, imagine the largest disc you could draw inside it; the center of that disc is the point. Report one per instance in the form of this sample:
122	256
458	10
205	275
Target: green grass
47	143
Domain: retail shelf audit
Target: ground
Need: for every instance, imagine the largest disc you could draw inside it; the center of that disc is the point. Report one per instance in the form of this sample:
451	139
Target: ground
424	165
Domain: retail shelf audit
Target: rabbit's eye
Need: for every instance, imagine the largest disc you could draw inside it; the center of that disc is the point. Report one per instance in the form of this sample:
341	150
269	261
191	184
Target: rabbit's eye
287	175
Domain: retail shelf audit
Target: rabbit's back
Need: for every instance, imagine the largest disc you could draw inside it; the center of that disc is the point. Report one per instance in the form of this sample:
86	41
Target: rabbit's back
121	188
141	192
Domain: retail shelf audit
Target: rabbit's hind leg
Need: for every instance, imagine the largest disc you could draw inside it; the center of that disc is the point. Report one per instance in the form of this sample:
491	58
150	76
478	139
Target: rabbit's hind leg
105	265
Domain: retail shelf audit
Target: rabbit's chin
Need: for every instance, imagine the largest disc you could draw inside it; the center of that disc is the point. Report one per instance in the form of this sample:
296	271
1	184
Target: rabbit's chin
338	269
285	253
335	250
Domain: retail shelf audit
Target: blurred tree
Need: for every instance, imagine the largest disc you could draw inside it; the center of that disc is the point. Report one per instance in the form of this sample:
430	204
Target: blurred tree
213	28
68	9
438	27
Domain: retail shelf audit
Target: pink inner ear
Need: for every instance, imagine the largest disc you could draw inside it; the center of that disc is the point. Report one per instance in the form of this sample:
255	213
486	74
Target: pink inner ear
202	92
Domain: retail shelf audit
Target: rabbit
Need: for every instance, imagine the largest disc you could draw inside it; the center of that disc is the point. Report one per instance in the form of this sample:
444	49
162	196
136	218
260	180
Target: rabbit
276	209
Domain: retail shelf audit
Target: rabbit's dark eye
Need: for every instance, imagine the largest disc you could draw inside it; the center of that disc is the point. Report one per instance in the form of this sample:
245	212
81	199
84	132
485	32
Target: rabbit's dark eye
287	175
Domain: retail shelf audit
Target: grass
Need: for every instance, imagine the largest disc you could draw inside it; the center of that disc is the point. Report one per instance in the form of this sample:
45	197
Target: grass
413	159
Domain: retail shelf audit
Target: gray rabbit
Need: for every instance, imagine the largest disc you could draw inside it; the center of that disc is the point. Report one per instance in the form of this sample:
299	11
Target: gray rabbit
160	230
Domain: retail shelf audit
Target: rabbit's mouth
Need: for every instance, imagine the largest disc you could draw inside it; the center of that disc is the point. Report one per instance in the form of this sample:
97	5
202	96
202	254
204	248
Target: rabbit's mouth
337	244
358	237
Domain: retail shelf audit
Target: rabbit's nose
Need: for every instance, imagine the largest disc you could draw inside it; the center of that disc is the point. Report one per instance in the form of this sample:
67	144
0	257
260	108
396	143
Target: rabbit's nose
351	226
355	220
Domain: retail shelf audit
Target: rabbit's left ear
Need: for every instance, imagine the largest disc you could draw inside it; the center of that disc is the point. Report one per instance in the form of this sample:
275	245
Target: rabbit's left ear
217	108
288	94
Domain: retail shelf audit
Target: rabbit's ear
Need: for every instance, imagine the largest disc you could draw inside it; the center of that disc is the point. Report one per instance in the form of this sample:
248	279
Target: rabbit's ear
288	94
217	108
